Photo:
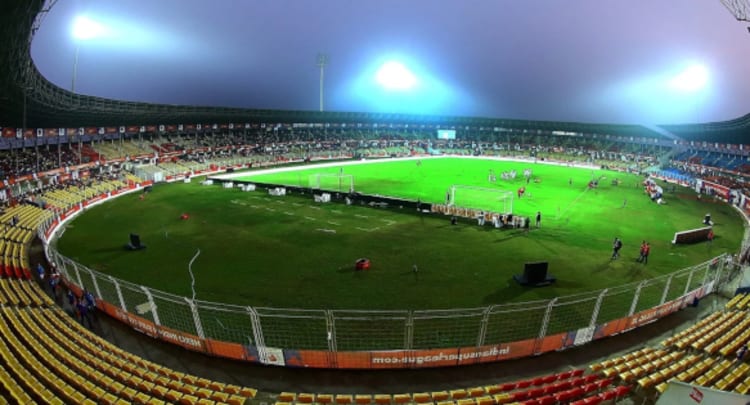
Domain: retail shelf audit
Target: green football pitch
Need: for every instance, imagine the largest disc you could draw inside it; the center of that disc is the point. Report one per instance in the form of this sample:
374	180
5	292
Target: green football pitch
262	250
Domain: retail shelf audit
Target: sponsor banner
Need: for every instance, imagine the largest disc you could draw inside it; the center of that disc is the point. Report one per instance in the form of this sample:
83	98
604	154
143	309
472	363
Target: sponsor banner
51	229
225	349
94	199
274	356
183	339
609	328
305	358
652	314
556	342
69	212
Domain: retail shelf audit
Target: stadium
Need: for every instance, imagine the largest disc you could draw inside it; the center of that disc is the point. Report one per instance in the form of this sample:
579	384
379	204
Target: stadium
161	253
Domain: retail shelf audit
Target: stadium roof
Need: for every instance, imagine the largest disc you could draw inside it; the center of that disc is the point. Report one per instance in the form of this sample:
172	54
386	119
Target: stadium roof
29	100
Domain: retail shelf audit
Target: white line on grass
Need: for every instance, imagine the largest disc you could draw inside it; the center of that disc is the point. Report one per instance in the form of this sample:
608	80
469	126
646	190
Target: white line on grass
326	230
361	216
311	219
574	202
190	270
334	223
377	228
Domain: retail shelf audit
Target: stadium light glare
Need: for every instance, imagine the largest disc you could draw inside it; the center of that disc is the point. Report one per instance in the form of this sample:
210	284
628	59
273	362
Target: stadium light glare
394	75
85	28
692	78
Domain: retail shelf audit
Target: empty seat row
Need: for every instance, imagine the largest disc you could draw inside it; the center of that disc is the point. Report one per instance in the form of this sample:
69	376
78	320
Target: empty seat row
549	389
739	301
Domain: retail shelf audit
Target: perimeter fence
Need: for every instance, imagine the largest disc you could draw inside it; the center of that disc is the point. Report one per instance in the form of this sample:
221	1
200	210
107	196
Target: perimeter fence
258	332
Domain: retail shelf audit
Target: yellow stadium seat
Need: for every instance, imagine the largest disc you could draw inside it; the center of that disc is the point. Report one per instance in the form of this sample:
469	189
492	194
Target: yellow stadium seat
362	399
382	399
344	399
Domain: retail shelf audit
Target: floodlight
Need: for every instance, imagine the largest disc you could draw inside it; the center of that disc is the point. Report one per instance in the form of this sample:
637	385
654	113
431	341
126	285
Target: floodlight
694	77
85	28
395	76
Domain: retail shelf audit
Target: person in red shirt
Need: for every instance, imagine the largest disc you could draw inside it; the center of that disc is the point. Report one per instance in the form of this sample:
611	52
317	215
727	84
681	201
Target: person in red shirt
641	252
646	251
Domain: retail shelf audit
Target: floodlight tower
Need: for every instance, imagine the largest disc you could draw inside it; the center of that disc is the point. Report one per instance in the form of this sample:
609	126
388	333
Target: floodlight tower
740	9
322	62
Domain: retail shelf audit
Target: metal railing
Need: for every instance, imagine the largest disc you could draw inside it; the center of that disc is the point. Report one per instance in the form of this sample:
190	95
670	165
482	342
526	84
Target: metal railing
374	330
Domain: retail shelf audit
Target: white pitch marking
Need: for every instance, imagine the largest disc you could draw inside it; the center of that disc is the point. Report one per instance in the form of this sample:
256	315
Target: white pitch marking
369	230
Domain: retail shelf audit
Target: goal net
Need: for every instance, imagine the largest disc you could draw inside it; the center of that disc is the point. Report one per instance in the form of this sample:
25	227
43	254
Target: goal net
481	198
340	183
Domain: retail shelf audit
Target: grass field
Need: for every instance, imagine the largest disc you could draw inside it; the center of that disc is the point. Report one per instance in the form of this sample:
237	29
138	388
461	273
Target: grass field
291	252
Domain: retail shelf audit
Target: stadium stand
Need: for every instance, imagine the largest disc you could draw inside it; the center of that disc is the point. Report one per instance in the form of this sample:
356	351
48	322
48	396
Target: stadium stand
703	354
49	357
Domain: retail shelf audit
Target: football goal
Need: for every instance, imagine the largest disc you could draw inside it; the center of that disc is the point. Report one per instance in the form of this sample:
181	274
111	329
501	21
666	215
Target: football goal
340	183
481	198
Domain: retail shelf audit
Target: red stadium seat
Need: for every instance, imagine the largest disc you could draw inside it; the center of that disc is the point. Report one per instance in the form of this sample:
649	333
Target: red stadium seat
548	400
594	400
565	375
605	383
591	378
564	385
519	396
523	384
591	387
608	395
622	391
577	381
507	387
549	379
536	392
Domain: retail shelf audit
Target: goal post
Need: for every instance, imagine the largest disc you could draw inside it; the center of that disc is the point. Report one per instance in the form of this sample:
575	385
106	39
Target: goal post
482	198
336	182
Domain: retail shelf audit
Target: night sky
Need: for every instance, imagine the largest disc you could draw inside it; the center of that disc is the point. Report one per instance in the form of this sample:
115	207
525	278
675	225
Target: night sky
619	61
